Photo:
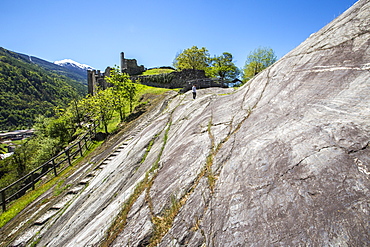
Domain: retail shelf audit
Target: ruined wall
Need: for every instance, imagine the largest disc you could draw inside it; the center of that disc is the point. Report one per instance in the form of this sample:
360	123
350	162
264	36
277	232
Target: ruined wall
179	79
96	79
130	66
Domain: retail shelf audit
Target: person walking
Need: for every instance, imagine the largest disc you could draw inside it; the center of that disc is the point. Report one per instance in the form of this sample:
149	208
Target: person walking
194	90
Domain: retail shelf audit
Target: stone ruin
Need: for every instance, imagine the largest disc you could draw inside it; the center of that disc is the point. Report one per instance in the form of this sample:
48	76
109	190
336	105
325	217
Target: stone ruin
178	79
96	80
130	66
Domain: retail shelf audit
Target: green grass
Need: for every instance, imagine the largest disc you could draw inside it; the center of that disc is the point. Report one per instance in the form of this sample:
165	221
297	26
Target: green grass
59	189
163	223
113	123
143	89
157	71
18	205
3	148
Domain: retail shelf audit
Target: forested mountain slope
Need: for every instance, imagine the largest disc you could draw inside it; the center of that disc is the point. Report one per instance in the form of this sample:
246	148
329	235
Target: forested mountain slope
79	75
27	90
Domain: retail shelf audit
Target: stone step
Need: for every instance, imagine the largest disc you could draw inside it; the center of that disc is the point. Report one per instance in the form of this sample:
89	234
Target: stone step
92	174
103	165
76	189
110	158
84	181
45	217
62	202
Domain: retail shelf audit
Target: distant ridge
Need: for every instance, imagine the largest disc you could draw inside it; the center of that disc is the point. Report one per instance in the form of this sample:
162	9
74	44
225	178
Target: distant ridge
68	71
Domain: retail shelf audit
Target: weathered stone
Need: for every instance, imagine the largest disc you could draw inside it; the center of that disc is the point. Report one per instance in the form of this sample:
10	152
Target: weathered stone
139	228
284	160
130	66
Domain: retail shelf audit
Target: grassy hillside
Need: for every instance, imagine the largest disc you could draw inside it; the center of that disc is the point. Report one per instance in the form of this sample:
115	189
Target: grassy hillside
27	90
157	71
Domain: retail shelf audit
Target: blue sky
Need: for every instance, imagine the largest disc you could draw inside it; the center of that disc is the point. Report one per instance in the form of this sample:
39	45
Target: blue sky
94	32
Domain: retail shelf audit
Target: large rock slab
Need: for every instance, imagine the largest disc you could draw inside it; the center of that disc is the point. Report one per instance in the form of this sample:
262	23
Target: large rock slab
295	171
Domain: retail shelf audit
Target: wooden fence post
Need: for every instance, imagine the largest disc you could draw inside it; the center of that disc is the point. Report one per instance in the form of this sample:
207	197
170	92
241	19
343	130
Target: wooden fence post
33	180
68	157
86	145
3	200
94	129
79	146
54	168
90	131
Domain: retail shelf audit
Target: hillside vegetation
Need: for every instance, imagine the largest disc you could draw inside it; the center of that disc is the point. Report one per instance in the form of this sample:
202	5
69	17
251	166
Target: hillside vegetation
28	90
42	146
72	73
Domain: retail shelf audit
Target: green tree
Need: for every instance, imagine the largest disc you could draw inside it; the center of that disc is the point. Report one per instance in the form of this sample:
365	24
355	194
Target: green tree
74	108
32	153
41	125
42	149
21	159
192	58
119	81
61	129
224	67
103	103
87	109
130	90
257	61
124	90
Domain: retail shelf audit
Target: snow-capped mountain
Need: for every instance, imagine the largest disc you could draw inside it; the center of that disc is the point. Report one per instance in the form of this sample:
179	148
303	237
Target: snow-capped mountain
73	64
68	69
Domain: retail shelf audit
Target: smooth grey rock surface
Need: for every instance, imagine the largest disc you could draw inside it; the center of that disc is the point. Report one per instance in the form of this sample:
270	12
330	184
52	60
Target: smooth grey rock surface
282	161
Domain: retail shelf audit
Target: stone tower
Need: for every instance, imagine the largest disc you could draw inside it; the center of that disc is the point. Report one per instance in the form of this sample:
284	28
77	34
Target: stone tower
130	66
123	62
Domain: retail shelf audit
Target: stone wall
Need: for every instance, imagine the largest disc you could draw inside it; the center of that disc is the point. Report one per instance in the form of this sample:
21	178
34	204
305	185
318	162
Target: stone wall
179	79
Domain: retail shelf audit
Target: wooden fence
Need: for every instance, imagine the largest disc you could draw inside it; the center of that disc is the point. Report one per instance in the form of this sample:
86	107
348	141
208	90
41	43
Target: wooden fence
55	165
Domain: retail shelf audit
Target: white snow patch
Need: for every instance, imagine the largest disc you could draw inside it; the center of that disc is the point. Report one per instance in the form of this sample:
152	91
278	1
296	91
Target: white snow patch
71	63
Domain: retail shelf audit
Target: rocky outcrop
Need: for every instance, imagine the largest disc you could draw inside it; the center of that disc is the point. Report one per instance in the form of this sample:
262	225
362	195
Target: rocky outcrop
283	161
